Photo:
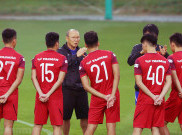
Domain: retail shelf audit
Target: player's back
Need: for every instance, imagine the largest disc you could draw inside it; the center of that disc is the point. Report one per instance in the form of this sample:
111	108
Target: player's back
154	69
48	65
175	61
98	67
10	61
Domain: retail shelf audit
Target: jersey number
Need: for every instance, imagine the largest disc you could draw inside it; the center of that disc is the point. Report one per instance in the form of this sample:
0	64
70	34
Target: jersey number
155	76
98	71
11	68
45	71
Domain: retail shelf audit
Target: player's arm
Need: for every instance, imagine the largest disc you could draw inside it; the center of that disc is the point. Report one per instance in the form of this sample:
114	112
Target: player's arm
87	87
35	82
57	84
135	53
16	83
166	87
140	84
176	81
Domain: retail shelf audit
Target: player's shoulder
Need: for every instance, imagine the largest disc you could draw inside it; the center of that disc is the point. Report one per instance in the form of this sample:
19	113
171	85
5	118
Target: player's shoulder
137	46
18	54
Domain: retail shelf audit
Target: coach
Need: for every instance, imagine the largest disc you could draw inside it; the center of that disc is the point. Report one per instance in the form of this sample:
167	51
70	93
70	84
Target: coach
74	96
137	50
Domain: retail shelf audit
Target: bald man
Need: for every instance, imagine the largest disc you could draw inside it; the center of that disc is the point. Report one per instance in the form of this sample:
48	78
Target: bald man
74	96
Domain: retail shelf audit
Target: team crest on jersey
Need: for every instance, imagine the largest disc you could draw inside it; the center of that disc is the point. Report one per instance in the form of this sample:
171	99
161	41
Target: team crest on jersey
136	65
179	61
114	54
147	61
170	61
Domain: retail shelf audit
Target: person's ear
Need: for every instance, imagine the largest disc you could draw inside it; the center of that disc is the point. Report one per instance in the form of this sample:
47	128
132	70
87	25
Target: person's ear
67	38
86	45
98	43
14	42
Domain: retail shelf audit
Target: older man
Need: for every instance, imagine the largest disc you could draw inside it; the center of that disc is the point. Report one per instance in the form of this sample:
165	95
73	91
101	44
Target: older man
74	96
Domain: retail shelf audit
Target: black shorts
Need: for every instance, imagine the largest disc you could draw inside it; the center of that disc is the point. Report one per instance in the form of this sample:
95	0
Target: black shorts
77	100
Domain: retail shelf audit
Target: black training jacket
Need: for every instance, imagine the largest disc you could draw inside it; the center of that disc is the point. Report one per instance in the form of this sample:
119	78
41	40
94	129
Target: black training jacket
72	79
135	53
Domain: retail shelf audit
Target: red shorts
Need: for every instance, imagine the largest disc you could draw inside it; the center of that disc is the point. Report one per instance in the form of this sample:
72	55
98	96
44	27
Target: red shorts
9	110
52	108
98	108
173	109
148	116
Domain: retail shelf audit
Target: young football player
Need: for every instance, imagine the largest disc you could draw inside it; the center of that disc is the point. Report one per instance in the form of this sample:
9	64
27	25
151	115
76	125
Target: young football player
12	66
48	72
152	75
173	107
102	68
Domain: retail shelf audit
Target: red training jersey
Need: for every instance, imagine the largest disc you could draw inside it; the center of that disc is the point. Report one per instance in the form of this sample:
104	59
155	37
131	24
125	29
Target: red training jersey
10	61
153	68
48	64
175	61
97	66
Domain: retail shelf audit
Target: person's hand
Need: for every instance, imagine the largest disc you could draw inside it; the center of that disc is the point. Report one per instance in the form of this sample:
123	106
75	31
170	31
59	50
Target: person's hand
81	51
111	100
180	94
44	97
142	52
163	50
158	100
3	98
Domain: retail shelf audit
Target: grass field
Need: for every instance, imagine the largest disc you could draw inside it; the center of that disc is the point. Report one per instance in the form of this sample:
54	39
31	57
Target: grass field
116	36
84	7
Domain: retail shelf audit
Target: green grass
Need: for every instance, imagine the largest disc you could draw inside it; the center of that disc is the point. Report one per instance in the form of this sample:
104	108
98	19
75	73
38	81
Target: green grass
116	36
78	7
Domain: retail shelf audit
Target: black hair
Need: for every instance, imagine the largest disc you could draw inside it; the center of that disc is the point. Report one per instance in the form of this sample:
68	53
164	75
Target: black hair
8	35
51	39
177	39
152	29
91	39
149	38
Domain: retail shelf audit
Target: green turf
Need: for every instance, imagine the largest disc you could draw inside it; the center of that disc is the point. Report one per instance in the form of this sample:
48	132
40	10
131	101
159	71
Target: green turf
116	36
84	7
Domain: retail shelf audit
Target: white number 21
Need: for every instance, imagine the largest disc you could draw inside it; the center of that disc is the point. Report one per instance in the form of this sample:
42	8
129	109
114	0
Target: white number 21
98	71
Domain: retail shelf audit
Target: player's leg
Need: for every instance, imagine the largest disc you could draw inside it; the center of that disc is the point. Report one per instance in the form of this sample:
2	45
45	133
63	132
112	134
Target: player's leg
81	109
37	129
57	130
8	127
155	131
68	106
40	116
83	124
180	126
91	129
111	128
66	127
137	131
164	130
112	116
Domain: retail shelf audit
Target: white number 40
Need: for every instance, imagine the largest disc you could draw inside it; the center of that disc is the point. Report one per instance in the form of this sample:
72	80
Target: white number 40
155	76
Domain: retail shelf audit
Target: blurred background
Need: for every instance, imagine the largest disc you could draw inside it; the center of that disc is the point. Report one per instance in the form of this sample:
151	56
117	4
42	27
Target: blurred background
119	24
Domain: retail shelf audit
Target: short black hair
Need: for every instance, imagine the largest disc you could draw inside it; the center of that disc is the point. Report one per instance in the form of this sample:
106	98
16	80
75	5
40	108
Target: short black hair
51	39
91	39
177	39
149	38
151	28
8	35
